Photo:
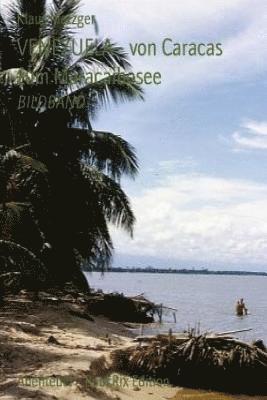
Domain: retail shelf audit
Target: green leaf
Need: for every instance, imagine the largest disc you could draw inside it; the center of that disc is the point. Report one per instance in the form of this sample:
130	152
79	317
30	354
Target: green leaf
102	54
112	154
114	202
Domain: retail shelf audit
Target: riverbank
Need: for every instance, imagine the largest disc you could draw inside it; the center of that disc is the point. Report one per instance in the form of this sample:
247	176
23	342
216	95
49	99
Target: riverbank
50	351
182	271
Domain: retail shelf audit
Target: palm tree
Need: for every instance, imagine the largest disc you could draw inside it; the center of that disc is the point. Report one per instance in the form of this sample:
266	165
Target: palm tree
56	171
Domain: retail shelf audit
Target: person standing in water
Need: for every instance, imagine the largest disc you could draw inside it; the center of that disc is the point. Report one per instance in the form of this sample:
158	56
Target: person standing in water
241	308
238	309
244	308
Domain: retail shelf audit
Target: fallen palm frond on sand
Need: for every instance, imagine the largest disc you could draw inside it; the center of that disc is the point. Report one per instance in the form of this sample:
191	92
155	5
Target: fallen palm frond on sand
212	362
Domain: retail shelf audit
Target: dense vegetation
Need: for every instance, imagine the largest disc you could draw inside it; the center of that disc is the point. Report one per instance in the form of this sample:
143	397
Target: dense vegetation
59	179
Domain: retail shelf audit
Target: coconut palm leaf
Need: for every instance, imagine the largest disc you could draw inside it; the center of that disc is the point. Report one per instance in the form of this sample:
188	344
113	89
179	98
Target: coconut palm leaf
13	219
20	259
8	54
115	204
19	11
16	77
117	88
59	17
106	151
64	177
112	154
59	3
34	7
65	8
23	179
58	34
21	31
95	244
102	54
16	161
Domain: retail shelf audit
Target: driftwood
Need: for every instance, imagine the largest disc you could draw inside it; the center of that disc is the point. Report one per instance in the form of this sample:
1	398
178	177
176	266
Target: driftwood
180	336
233	332
215	362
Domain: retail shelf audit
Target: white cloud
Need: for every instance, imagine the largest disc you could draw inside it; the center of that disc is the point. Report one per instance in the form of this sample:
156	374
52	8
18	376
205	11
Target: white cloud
250	142
151	17
239	24
200	218
256	127
253	135
244	57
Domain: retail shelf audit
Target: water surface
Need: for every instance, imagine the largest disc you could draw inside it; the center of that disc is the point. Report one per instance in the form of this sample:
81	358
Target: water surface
205	299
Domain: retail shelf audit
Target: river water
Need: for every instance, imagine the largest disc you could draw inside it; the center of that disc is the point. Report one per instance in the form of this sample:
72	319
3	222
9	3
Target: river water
208	300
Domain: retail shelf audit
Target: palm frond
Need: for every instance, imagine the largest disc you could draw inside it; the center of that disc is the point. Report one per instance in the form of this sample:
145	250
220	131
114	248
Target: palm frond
16	77
117	87
19	12
53	50
110	153
30	8
95	244
8	55
15	162
114	202
23	177
20	259
69	173
106	151
60	14
65	8
13	219
21	30
101	54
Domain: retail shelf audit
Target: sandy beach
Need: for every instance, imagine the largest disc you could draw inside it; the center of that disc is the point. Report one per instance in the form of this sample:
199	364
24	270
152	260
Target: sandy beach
46	353
49	352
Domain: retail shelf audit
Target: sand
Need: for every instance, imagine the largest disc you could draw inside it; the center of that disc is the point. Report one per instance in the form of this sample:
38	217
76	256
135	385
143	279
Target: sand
48	353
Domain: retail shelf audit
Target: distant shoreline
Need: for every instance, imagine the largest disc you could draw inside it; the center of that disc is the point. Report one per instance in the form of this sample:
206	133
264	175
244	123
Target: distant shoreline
183	271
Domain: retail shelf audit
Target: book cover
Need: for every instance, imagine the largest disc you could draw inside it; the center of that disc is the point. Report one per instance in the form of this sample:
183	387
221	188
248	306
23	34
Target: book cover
133	199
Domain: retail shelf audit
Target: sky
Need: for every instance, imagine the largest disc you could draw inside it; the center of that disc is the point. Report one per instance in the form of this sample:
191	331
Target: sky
201	136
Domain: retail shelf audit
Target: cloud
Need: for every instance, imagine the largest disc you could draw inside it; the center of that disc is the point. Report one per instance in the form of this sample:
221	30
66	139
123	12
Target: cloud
200	218
253	136
259	128
239	25
151	18
244	57
250	142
